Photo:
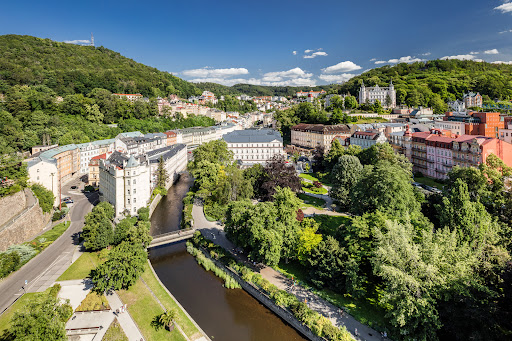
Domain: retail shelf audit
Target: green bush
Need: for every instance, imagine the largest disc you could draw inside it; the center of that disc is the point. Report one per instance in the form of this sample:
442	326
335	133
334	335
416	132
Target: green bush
215	211
46	197
9	262
25	252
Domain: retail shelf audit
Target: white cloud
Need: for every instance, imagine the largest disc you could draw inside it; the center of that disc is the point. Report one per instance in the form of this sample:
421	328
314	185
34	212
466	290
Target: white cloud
292	73
215	73
406	59
473	52
294	53
308	51
426	54
77	41
505	8
502	62
316	54
493	51
373	59
346	66
460	57
506	31
336	78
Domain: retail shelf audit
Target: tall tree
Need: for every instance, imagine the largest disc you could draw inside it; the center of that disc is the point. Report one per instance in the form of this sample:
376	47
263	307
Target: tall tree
162	175
344	176
279	174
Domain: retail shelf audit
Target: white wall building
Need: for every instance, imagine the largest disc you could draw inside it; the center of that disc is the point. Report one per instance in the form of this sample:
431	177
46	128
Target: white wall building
366	139
126	181
455	127
89	150
371	94
505	134
252	146
45	173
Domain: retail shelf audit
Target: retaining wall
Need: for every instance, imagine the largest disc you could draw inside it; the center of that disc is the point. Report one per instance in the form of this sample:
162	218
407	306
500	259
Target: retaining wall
28	225
154	204
11	206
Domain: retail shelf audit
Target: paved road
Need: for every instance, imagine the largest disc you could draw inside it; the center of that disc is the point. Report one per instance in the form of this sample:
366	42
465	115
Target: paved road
215	233
33	272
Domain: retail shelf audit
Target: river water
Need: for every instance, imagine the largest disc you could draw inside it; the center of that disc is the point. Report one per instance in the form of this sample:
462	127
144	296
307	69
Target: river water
224	314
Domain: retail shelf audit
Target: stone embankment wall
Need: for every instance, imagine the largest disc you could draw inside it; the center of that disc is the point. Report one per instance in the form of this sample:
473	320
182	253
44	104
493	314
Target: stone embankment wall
258	294
25	226
11	205
154	204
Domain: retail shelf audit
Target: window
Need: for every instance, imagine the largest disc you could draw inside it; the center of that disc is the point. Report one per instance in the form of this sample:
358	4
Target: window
134	190
128	181
134	181
134	200
128	192
128	200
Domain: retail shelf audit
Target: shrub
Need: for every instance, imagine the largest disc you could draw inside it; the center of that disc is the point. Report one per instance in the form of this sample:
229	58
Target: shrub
143	213
9	262
317	184
46	197
25	252
56	215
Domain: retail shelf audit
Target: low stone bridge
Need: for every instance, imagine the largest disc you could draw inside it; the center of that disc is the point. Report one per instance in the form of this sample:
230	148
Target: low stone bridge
171	237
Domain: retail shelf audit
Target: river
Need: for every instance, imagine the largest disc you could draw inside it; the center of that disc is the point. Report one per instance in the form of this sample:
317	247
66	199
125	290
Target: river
224	314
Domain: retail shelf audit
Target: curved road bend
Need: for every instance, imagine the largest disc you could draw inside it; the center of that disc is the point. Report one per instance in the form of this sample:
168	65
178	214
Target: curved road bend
35	271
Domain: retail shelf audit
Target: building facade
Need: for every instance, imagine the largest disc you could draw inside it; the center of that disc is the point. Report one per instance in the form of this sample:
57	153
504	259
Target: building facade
385	95
254	146
91	149
472	100
366	139
307	137
45	173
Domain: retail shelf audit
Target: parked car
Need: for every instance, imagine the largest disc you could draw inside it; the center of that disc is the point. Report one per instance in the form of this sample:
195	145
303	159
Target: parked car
73	187
66	198
69	201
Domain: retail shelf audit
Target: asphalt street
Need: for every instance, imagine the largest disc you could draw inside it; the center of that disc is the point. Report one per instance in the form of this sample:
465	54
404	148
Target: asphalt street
12	286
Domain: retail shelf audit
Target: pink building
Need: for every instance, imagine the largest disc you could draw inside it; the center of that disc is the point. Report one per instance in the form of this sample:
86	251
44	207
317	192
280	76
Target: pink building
439	156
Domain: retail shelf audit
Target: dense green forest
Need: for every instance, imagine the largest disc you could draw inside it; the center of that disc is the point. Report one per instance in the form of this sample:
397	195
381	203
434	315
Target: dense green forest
69	69
261	90
435	82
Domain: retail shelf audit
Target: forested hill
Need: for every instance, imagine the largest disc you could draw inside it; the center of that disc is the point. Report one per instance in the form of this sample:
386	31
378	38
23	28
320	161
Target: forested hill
260	90
67	69
433	82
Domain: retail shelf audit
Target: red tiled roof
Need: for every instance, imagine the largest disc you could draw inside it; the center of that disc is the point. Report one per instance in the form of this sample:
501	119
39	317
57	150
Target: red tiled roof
101	156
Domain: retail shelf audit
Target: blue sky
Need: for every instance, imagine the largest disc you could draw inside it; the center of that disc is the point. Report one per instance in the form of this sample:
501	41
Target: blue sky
265	42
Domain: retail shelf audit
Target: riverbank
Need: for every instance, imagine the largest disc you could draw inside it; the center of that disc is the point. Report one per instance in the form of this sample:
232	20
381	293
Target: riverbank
146	299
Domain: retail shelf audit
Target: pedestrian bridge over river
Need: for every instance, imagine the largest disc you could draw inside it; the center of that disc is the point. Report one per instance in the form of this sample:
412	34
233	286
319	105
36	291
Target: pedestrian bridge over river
171	237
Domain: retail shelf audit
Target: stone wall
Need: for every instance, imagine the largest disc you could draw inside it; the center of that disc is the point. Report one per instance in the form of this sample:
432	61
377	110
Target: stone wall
24	228
11	206
154	204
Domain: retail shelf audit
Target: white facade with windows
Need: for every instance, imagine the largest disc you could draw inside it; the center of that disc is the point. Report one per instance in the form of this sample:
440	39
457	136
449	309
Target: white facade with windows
252	146
46	174
505	134
384	94
91	149
455	127
366	139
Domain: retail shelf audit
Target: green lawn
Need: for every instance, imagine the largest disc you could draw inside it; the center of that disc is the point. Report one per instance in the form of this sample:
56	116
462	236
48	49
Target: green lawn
188	327
329	224
310	188
312	201
365	310
322	177
143	309
115	333
429	182
308	176
81	267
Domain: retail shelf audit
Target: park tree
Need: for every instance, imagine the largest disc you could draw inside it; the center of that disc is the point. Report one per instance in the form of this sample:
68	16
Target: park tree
377	107
232	186
121	270
214	152
122	229
93	113
384	152
385	187
336	103
344	176
279	174
308	239
161	173
350	102
44	317
97	230
333	155
326	263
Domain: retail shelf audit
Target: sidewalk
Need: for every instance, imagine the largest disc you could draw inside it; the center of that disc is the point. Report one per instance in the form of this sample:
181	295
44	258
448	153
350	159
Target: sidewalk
125	320
215	233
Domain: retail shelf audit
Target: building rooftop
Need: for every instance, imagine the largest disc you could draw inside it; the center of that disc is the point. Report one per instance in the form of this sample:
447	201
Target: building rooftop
253	136
96	143
48	154
130	134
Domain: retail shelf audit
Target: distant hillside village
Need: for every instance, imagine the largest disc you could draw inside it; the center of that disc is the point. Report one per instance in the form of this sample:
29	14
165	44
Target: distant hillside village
124	168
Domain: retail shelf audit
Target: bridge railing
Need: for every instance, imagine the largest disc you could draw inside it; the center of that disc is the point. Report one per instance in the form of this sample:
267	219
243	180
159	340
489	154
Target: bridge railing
168	234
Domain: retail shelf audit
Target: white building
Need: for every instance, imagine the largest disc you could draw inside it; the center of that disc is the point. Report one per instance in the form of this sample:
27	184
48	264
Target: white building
457	106
252	146
89	150
385	94
366	139
505	134
45	173
126	181
455	127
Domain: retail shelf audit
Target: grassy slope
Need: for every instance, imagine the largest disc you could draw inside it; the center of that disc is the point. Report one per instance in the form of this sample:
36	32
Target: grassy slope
81	267
115	333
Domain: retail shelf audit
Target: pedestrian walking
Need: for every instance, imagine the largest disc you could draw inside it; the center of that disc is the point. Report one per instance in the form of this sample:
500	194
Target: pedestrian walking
356	333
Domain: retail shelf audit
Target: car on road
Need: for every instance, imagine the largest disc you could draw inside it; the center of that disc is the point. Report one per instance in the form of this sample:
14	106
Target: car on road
69	201
73	187
66	198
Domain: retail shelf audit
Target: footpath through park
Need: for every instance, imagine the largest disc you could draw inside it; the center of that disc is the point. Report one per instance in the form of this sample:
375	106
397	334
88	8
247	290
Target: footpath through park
359	331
